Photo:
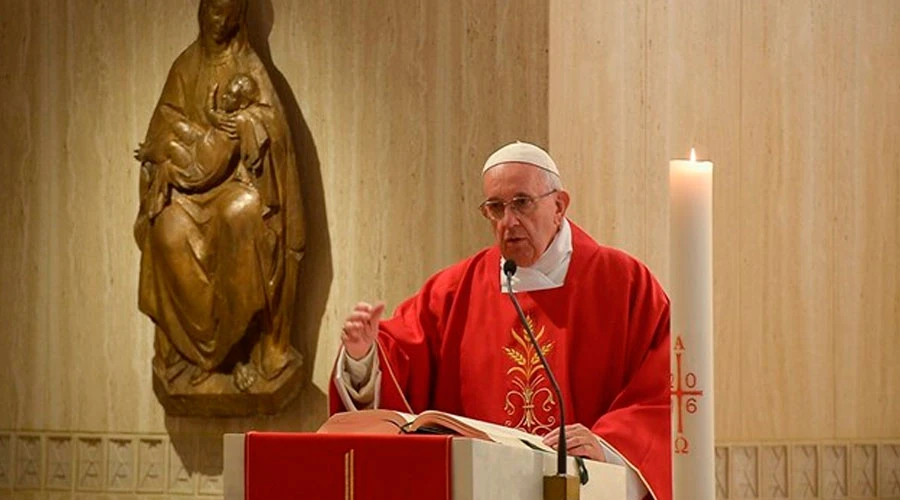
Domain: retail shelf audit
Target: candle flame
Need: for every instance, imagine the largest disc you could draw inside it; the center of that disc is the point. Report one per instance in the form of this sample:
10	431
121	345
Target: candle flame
693	155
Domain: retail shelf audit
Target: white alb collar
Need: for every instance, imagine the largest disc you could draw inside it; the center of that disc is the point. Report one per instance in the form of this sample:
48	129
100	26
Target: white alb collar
550	269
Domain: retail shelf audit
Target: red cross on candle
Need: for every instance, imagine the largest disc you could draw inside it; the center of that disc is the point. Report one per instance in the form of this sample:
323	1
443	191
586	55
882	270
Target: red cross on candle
685	396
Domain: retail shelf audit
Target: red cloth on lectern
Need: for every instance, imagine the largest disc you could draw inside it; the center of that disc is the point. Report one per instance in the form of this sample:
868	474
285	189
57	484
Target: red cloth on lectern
458	346
280	465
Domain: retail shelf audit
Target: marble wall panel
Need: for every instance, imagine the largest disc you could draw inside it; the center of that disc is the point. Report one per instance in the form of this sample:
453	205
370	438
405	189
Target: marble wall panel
389	103
397	104
793	101
866	284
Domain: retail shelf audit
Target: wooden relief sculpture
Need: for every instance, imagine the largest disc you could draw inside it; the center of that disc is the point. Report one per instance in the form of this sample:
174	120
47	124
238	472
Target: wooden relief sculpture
220	228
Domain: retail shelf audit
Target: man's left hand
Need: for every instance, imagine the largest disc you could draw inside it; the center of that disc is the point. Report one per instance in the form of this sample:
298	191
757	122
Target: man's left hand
580	442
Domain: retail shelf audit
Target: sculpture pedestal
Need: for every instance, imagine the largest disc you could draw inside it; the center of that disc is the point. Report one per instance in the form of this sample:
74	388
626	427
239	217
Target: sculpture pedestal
217	396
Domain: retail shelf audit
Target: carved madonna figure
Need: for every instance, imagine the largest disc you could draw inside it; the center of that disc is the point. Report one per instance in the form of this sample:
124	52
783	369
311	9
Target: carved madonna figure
220	228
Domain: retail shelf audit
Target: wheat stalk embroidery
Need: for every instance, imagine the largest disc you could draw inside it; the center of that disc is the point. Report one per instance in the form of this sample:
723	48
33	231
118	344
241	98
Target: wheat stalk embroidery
528	377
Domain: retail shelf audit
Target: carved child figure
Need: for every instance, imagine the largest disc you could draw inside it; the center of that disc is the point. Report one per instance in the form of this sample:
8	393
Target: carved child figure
240	92
195	158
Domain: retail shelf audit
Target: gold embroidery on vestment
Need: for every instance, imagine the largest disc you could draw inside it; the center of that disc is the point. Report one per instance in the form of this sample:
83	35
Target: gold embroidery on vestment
531	383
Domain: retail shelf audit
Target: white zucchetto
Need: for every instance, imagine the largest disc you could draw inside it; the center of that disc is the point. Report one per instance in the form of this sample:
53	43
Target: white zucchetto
521	152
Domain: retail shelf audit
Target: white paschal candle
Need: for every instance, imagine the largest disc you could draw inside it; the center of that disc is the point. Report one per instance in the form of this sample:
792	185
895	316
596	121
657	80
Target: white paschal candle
691	293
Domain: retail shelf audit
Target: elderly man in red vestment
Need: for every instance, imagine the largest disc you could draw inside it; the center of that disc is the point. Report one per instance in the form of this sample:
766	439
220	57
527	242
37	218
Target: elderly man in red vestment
600	318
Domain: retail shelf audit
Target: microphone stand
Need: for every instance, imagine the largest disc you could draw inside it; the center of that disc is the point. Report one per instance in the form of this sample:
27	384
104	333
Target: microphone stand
560	486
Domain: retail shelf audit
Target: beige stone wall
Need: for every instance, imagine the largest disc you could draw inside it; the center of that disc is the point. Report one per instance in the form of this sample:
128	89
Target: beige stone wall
397	103
797	103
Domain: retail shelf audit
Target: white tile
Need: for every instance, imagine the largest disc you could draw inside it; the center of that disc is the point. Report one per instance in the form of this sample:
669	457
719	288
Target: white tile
120	465
744	471
151	477
773	474
804	471
90	470
29	458
60	463
862	470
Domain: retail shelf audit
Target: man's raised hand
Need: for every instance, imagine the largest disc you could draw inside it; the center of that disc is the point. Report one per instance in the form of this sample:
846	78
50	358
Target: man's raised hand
361	328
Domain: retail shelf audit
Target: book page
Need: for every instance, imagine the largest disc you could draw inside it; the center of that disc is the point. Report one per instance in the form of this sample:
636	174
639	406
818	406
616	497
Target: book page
497	432
393	422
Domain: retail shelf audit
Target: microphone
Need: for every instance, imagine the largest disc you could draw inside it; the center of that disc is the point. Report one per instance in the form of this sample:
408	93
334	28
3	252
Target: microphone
509	269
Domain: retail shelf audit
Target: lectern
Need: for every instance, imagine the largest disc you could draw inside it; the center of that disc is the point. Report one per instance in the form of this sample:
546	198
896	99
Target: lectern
274	465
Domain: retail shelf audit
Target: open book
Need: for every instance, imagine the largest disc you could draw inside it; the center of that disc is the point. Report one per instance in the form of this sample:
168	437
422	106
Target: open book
428	422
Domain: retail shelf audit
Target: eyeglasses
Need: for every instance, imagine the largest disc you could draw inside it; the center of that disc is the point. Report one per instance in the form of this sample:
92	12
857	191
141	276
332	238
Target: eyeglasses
522	205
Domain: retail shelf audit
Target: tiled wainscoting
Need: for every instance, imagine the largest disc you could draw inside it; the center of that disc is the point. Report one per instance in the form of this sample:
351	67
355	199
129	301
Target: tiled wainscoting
87	464
151	465
851	470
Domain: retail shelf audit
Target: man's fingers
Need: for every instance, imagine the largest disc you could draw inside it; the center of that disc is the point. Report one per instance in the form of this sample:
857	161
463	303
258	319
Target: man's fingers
353	328
571	442
575	433
581	437
362	323
579	441
376	312
367	313
360	316
554	433
575	442
552	436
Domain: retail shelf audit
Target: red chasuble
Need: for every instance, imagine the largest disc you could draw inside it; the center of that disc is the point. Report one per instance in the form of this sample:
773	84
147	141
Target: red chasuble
458	346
